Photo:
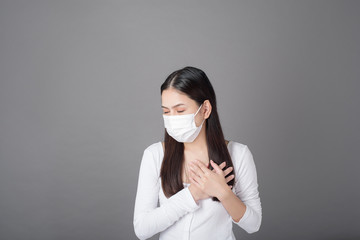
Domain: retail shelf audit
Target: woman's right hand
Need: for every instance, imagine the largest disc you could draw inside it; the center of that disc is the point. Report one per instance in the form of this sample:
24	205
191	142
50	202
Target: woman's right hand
198	194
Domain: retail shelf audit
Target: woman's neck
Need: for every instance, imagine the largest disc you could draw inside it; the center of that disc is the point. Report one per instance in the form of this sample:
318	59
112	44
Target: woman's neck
199	144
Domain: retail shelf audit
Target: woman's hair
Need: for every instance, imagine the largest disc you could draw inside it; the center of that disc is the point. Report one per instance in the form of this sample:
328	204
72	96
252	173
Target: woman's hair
195	84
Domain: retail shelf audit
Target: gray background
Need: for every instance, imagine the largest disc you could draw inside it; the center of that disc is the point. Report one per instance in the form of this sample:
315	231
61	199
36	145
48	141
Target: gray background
80	101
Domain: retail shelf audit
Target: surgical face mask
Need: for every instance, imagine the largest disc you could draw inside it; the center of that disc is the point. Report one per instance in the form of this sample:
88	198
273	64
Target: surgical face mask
182	127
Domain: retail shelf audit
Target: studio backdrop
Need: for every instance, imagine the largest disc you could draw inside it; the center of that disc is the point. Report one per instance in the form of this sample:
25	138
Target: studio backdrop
80	101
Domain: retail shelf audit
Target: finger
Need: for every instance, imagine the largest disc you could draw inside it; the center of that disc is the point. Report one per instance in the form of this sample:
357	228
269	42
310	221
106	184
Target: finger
199	173
202	166
192	180
215	166
229	178
227	171
222	165
196	169
196	178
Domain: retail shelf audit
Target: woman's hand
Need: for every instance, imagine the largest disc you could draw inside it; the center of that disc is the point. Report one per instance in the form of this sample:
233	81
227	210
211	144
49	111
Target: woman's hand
197	193
210	182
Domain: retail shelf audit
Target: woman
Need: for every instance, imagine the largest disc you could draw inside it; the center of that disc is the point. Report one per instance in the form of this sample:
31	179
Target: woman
203	183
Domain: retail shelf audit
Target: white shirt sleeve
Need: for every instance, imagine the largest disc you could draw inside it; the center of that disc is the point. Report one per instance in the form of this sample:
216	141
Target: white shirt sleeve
246	188
148	218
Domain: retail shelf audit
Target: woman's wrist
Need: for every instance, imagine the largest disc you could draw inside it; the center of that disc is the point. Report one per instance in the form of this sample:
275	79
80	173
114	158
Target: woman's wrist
224	193
193	193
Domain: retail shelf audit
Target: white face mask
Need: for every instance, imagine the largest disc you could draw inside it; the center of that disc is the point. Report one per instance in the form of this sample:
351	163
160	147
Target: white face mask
182	127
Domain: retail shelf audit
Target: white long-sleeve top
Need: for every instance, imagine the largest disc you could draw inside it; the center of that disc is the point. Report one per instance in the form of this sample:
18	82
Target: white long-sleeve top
180	217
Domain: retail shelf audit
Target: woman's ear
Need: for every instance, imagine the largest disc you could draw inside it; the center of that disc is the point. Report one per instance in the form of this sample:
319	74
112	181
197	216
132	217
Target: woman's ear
207	109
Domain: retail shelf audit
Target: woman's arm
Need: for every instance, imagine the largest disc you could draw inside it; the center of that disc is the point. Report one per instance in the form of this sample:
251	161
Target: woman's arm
148	218
233	205
243	205
246	188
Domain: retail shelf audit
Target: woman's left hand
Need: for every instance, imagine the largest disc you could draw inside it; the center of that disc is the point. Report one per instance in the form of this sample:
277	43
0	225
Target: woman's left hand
210	182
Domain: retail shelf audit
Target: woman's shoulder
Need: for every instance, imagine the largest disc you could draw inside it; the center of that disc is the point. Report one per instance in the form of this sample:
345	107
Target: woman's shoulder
235	146
152	155
154	148
240	154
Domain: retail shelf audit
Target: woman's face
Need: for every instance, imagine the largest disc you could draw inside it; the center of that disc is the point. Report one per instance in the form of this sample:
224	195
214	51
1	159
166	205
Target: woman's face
176	103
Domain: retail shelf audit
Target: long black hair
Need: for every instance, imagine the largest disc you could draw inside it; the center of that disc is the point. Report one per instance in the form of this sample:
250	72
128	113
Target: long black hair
195	84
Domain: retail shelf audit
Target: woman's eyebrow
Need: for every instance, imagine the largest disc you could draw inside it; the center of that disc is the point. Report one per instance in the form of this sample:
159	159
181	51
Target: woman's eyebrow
174	105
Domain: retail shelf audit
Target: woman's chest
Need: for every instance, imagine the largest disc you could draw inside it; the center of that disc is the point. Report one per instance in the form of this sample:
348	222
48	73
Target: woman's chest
190	157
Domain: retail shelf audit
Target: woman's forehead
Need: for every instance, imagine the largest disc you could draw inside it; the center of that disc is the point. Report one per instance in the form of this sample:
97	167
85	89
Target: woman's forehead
170	98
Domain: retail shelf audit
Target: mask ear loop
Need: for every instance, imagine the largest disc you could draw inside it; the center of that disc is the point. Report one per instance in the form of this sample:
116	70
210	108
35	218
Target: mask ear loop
198	110
197	113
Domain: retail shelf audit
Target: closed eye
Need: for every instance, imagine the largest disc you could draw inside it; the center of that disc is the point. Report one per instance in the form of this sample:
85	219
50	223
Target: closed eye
177	111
